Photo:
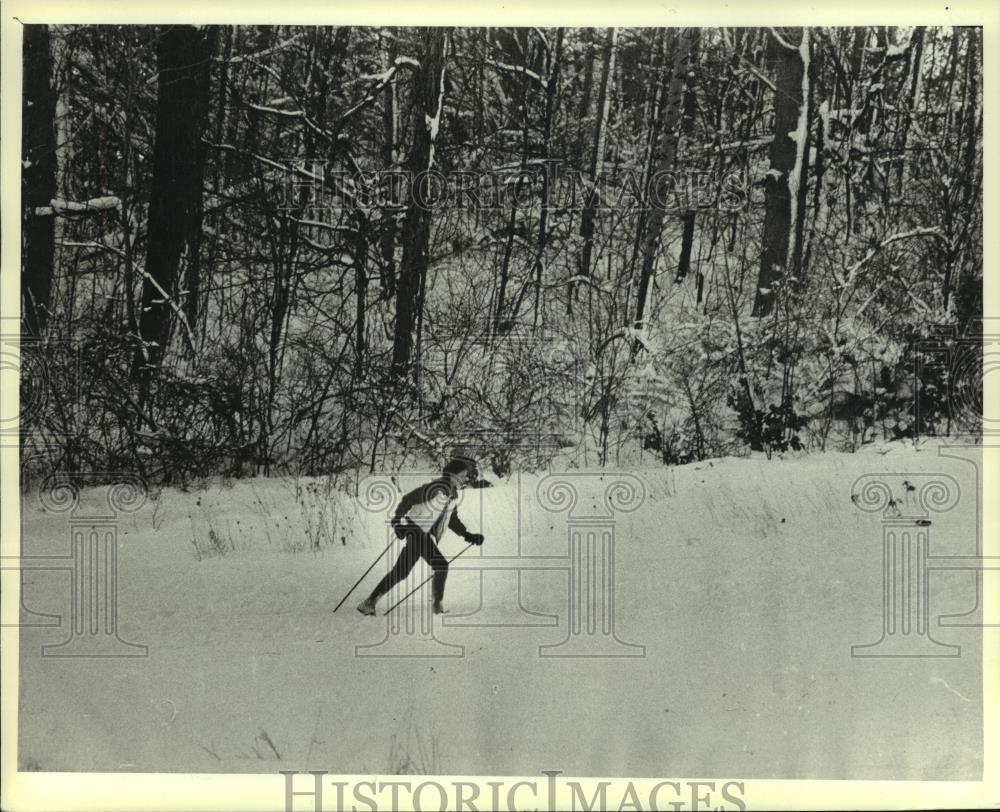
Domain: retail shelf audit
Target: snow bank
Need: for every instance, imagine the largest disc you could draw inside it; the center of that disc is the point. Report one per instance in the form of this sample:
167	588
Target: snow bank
746	581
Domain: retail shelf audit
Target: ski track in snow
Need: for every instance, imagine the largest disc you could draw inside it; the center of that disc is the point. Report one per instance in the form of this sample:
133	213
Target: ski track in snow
746	580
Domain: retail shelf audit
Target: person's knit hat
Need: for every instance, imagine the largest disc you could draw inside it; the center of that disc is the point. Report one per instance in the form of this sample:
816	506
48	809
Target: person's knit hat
458	464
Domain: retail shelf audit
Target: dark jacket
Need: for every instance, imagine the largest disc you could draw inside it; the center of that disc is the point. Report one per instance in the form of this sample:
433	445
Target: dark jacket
432	507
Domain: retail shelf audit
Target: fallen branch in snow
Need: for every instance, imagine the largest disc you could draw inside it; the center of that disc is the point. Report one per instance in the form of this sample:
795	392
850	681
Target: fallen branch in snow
65	208
903	235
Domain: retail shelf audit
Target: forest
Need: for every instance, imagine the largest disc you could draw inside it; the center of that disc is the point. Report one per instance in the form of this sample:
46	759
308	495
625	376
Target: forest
264	250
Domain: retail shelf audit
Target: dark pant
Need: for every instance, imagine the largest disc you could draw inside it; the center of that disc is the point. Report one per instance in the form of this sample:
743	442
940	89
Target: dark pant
418	545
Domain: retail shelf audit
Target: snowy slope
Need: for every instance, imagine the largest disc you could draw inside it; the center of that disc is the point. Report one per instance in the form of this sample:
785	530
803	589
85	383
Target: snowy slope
747	581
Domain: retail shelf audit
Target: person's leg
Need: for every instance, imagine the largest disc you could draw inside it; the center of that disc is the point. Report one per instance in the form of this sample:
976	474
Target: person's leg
407	558
439	564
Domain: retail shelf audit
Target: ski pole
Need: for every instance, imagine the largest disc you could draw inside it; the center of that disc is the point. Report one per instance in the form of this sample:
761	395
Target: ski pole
364	576
428	578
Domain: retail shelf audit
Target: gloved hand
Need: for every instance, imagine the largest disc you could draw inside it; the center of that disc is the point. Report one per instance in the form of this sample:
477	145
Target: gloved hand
475	538
398	528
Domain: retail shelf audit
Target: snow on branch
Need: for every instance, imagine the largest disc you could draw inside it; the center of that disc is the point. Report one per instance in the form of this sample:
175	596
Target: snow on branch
752	69
260	108
65	208
729	146
434	122
386	75
542	83
781	40
99	246
638	335
173	306
299	171
381	81
541	36
407	62
319	224
892	51
235	60
801	137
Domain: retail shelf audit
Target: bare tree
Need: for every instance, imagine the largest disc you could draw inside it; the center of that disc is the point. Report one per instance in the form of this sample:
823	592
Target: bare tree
589	214
38	155
428	108
789	52
659	183
183	59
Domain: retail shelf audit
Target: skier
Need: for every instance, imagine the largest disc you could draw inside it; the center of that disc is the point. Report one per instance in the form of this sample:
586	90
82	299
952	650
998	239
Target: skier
420	519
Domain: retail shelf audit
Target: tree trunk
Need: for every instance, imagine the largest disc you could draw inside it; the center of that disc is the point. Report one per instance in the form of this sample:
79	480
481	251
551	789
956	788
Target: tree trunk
787	151
800	186
387	236
672	112
652	142
192	238
428	106
543	219
183	60
854	80
500	320
913	76
586	95
220	177
971	177
38	178
589	214
361	295
687	127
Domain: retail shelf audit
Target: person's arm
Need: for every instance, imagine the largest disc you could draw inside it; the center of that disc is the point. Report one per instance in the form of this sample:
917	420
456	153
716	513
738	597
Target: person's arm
456	526
406	504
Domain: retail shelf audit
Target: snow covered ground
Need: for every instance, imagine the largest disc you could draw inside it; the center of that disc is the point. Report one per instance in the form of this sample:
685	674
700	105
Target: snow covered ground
747	581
